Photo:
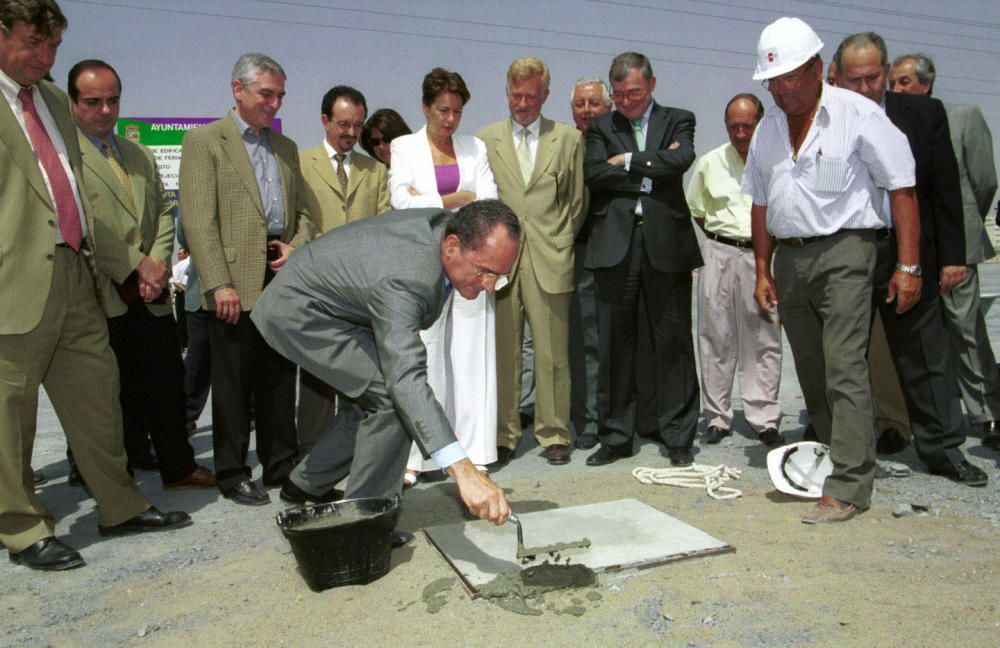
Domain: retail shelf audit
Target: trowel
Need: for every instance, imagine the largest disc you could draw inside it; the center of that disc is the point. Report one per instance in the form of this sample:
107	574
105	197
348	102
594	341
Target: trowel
528	554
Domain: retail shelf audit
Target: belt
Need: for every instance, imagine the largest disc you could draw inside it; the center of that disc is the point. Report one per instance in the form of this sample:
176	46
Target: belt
728	241
274	237
84	245
801	241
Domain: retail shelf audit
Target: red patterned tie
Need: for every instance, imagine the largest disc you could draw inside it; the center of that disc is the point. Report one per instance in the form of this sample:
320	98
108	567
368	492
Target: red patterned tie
62	191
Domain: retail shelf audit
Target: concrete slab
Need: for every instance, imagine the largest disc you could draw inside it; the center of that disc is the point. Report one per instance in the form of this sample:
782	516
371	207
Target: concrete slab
625	534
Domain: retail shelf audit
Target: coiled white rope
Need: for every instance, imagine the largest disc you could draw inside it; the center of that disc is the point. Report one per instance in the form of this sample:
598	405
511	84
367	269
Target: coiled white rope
711	478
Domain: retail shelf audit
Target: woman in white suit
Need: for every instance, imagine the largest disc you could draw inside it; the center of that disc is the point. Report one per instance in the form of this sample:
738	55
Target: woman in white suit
434	167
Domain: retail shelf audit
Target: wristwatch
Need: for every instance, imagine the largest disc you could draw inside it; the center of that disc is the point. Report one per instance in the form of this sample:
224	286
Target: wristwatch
909	269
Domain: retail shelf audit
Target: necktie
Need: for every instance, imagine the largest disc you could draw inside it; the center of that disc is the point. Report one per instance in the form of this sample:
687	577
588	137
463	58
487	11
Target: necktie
524	156
640	137
62	191
118	169
341	172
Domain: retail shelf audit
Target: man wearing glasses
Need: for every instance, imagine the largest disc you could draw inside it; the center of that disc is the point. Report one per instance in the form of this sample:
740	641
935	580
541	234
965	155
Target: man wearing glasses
642	245
817	170
349	308
341	185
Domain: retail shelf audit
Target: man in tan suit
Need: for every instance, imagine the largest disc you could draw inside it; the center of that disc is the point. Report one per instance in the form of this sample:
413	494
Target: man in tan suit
243	209
342	185
538	167
52	328
125	193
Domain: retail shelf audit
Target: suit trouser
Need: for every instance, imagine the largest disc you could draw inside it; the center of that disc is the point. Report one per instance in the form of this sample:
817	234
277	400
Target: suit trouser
320	407
970	340
548	316
735	334
152	389
925	367
583	346
890	404
246	373
825	301
373	452
668	302
68	354
197	363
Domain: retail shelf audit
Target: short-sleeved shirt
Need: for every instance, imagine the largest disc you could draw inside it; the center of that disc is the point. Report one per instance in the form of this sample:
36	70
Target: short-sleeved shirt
714	194
851	153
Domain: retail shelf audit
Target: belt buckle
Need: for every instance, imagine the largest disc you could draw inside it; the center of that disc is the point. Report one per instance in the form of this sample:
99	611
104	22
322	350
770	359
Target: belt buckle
638	220
796	241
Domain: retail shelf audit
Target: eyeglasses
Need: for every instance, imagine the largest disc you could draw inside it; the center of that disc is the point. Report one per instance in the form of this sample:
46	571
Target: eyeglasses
346	125
632	93
378	141
500	279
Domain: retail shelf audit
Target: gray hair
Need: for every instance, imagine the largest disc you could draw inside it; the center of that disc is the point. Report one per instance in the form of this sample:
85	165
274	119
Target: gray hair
626	61
923	67
861	40
605	95
250	66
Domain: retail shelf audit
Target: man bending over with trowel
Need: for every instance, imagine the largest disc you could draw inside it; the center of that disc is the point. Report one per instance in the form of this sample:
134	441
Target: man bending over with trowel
349	307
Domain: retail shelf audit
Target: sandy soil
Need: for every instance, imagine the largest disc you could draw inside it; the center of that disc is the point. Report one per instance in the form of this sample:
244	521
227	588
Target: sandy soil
230	579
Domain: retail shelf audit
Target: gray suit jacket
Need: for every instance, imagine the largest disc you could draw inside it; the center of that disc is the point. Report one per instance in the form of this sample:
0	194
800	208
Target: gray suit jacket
350	305
973	144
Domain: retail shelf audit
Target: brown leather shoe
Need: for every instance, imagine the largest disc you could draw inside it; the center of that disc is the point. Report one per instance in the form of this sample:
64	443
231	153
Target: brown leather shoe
829	509
200	477
557	454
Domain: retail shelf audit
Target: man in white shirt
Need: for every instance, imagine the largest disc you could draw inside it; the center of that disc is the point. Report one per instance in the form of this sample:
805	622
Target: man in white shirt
733	332
816	166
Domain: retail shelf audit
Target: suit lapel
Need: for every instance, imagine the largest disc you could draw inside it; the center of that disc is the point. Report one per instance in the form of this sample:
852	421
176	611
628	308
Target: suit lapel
656	129
622	128
94	160
134	162
236	151
545	151
324	169
504	146
16	141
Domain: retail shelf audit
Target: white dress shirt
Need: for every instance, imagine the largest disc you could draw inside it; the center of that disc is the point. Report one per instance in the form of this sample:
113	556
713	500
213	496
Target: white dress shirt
330	152
851	153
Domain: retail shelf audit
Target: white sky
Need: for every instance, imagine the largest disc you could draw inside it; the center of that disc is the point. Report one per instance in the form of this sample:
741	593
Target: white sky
175	56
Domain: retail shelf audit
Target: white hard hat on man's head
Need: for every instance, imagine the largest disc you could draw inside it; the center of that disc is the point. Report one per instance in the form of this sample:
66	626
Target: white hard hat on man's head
784	45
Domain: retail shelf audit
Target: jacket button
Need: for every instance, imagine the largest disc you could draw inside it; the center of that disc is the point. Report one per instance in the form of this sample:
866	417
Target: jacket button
50	256
649	163
52	223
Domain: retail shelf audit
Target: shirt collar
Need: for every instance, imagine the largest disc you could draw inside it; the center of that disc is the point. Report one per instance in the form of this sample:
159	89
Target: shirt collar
330	152
533	128
245	130
10	88
98	141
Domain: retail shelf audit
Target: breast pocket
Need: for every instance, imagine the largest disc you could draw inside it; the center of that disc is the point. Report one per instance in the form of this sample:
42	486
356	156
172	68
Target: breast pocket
831	173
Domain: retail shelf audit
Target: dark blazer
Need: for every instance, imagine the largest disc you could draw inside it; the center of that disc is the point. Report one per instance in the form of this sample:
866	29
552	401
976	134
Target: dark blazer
671	245
351	305
942	230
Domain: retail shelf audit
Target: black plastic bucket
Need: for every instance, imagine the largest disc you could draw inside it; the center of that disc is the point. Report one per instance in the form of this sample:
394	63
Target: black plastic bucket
331	553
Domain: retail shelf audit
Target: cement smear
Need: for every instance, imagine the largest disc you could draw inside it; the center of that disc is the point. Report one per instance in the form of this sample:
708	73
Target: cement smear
525	554
433	594
514	591
330	521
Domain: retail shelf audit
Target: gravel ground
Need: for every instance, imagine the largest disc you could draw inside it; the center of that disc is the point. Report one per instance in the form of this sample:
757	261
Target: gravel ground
923	579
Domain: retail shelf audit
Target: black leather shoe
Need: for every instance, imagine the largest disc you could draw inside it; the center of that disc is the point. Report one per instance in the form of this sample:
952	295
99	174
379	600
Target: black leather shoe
38	477
401	538
680	457
74	479
48	554
586	441
991	435
557	454
891	441
771	438
292	494
248	493
608	454
152	519
148	463
504	455
714	434
962	473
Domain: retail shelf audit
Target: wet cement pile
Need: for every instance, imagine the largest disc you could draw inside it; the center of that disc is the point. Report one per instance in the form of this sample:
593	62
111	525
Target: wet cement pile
527	554
524	592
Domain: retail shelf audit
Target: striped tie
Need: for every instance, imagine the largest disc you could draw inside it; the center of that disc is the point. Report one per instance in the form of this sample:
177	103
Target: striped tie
118	169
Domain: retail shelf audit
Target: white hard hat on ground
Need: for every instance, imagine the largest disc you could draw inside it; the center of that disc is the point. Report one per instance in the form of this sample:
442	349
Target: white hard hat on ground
784	45
800	469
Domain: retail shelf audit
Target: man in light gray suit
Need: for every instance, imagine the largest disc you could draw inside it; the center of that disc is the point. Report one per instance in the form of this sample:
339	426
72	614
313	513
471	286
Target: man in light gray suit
349	307
973	144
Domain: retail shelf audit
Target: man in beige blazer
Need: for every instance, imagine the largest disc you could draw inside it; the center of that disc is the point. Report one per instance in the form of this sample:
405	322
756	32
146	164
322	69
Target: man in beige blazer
52	328
243	210
125	193
336	198
538	168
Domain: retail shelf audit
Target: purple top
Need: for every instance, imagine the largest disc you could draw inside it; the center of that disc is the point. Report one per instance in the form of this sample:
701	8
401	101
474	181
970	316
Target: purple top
447	178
